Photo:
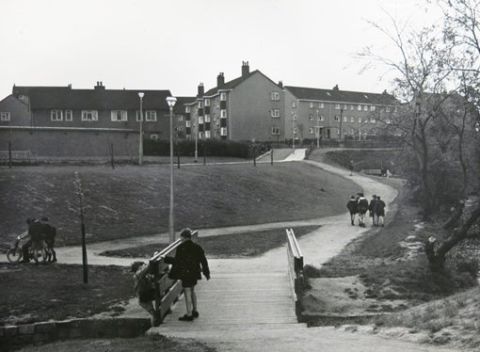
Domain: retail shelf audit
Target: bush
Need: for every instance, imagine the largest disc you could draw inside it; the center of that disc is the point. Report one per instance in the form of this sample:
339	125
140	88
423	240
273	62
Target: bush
213	148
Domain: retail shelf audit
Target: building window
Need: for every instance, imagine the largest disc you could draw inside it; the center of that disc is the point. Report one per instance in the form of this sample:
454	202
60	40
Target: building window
372	108
68	115
154	137
337	106
310	130
207	134
322	118
275	96
223	131
365	108
56	115
311	105
275	113
321	105
345	119
187	109
119	115
89	115
359	107
294	104
200	135
345	107
207	118
188	124
352	119
223	113
372	120
336	118
310	117
275	130
5	116
207	102
387	109
388	121
223	96
150	115
200	105
200	119
359	120
352	107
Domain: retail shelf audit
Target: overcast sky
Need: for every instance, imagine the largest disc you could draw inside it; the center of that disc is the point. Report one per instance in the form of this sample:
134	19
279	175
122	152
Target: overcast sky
157	44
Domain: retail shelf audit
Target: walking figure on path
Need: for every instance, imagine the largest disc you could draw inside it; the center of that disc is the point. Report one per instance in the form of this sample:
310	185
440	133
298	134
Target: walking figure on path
380	212
188	264
362	207
372	210
144	285
352	208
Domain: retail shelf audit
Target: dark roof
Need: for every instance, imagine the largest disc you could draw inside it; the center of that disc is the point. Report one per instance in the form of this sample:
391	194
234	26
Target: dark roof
234	82
181	101
97	99
342	95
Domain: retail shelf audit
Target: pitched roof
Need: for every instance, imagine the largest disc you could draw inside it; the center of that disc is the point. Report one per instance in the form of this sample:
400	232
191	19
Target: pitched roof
181	101
95	99
234	82
337	95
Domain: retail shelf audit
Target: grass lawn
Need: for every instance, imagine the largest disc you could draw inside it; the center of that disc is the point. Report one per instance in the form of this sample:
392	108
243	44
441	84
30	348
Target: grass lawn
231	246
131	201
32	293
144	344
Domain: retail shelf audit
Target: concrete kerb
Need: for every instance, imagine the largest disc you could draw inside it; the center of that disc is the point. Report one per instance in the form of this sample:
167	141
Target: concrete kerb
13	336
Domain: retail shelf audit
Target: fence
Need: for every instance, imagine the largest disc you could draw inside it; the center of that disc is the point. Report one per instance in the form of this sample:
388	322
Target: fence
295	268
167	290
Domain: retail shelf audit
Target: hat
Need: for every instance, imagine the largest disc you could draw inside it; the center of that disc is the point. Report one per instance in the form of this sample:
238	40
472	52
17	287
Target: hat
186	233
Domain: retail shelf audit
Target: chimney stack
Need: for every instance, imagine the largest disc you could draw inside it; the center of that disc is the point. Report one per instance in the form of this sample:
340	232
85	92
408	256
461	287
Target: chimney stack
99	86
245	69
280	84
336	88
220	80
201	90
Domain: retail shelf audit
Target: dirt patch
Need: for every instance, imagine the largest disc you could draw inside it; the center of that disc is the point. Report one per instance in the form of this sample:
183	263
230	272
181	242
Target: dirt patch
232	246
131	201
32	293
144	344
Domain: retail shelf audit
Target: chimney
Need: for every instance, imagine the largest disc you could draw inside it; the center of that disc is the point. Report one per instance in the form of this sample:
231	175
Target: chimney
201	90
336	88
99	86
280	84
220	80
245	69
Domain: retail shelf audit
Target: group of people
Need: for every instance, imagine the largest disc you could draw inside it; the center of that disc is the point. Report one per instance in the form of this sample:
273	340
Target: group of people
358	206
187	266
40	237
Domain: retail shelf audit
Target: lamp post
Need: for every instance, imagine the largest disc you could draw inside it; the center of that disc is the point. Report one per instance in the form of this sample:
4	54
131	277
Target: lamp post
196	139
140	130
341	125
171	103
294	117
318	130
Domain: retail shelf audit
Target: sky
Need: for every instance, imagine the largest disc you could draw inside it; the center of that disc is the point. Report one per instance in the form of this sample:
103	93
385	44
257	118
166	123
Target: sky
175	45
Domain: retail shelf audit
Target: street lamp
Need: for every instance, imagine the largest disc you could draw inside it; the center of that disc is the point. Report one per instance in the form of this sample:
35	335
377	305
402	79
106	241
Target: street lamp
140	130
171	103
318	130
294	117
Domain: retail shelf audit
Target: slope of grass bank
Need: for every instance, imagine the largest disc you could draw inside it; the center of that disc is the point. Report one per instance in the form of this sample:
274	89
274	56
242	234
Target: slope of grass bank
131	201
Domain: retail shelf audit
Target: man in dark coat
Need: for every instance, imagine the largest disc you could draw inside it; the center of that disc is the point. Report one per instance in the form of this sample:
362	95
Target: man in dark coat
35	234
188	264
379	211
352	208
371	209
49	234
362	207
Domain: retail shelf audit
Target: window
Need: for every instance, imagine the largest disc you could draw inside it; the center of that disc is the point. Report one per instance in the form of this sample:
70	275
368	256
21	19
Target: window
207	102
345	107
56	115
119	115
388	121
200	135
345	119
200	119
336	118
311	105
372	108
188	124
294	104
275	130
352	119
365	108
295	130
5	116
223	131
68	115
89	115
207	118
275	113
321	105
180	117
154	137
187	109
223	113
359	120
337	106
223	96
352	107
207	134
310	130
359	107
310	117
322	118
372	120
150	115
200	105
387	109
275	96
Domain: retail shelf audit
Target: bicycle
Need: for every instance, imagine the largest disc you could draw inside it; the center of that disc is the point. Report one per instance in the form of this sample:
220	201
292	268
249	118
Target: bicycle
15	253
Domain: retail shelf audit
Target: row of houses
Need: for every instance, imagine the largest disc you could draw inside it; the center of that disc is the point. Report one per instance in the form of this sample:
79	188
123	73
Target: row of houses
249	107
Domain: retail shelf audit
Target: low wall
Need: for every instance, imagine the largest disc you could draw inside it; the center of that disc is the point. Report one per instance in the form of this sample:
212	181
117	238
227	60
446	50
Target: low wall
15	336
70	144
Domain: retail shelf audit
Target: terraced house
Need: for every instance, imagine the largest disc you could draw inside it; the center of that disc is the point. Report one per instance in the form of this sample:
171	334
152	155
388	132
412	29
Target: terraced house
314	113
249	107
62	121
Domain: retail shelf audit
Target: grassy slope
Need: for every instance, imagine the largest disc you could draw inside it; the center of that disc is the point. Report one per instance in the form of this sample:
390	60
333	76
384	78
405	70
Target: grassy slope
43	292
131	201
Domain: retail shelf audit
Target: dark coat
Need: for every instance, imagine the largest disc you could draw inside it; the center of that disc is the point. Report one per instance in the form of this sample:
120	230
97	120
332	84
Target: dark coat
379	208
362	205
352	206
189	262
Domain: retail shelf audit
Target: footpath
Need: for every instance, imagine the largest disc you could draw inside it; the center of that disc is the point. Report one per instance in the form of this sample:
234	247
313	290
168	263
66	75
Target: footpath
248	303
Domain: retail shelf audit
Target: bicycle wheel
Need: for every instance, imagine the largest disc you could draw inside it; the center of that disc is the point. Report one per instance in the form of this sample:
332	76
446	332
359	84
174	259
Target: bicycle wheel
14	255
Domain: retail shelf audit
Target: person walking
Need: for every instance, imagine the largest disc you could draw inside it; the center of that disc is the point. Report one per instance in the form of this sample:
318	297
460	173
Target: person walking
144	288
188	264
362	207
49	234
380	211
352	208
371	210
